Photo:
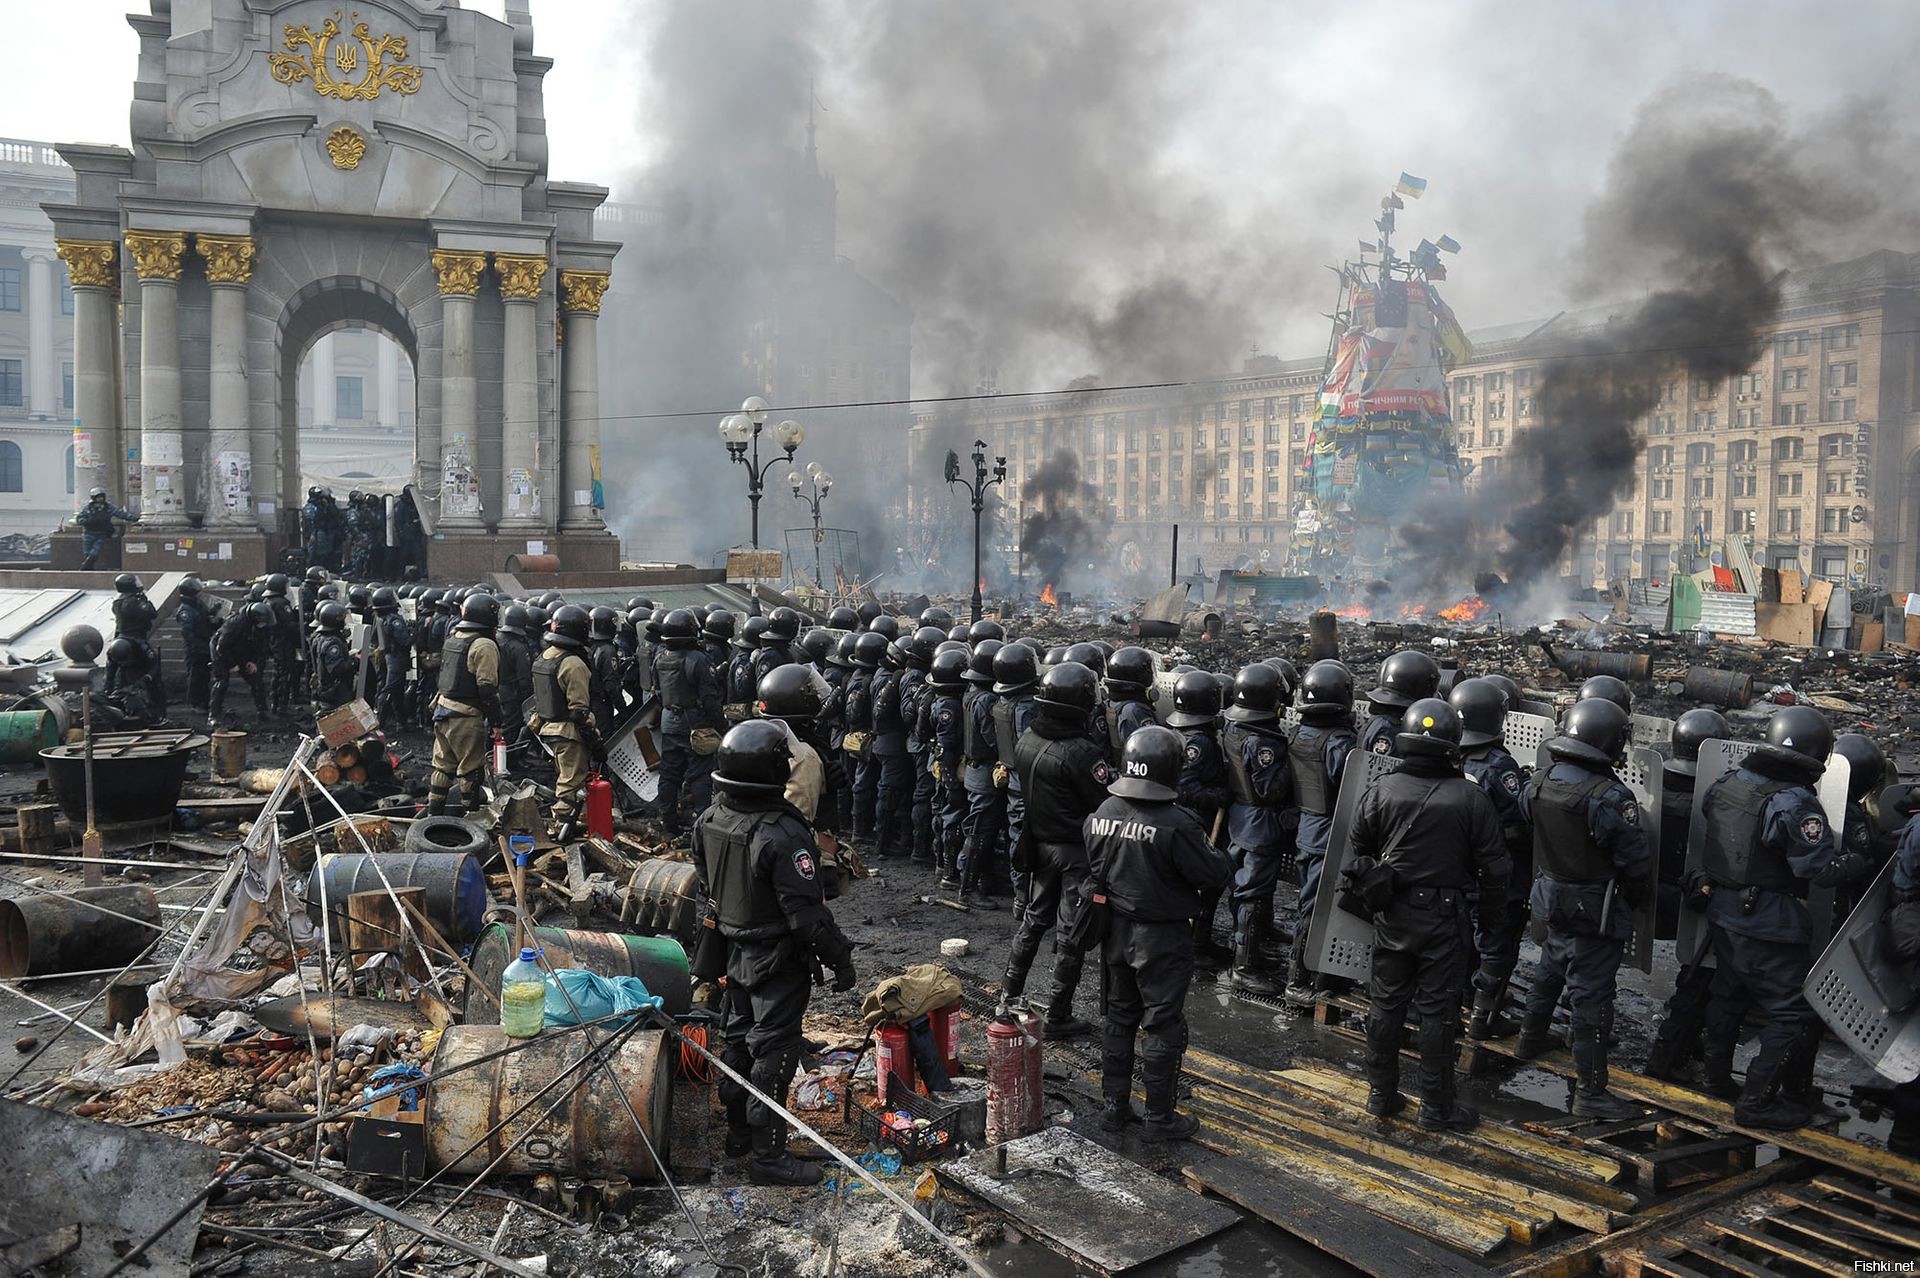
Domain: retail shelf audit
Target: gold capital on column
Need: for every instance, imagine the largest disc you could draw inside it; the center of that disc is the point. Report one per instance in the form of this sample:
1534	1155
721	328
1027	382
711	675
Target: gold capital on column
229	257
459	272
520	275
157	254
582	290
89	262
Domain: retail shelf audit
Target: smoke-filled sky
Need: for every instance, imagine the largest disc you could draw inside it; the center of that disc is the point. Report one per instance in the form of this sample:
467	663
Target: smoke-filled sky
1121	187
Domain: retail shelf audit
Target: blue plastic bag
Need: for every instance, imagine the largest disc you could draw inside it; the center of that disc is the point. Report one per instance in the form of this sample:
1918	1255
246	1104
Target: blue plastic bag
596	996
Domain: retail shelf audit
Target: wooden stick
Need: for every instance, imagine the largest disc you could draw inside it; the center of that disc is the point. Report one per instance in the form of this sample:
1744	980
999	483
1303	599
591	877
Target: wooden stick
432	934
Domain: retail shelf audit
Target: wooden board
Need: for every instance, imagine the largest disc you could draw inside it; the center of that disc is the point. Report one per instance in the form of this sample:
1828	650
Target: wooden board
1086	1202
1785	623
1821	1228
1342	1229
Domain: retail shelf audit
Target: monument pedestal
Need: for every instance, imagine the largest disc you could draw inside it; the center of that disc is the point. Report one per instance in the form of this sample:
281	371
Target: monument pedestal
466	556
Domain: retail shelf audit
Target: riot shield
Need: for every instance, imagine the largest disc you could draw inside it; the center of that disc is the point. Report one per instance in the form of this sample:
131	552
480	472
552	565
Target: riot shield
1524	734
1640	772
1717	758
1869	996
1341	943
1543	709
363	641
633	754
1651	730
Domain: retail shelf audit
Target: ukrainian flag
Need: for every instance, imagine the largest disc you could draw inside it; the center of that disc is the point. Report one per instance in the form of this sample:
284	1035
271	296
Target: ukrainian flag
1411	185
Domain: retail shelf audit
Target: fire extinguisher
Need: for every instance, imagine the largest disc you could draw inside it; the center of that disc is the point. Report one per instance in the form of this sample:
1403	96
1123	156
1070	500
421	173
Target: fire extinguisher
1013	1075
599	806
892	1062
499	753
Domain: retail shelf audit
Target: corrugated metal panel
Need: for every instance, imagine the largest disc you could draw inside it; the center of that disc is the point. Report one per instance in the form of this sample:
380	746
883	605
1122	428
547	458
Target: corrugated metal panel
22	610
1728	614
40	640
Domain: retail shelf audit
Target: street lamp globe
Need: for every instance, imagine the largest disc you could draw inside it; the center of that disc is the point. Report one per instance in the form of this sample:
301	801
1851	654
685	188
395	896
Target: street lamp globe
756	410
789	434
813	470
794	481
735	430
824	480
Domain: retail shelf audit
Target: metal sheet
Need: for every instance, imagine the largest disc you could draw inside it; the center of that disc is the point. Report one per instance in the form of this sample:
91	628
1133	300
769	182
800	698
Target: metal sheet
1342	943
1729	614
1865	993
1525	734
35	622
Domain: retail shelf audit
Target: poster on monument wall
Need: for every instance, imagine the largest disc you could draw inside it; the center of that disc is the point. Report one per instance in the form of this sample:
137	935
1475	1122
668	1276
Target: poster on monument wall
84	456
523	498
459	486
163	450
233	470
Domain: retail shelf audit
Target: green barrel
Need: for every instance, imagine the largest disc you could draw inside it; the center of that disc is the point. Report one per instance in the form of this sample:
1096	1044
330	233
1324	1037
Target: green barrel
658	961
25	733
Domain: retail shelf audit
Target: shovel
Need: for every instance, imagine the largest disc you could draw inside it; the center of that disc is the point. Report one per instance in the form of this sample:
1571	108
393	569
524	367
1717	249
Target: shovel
92	850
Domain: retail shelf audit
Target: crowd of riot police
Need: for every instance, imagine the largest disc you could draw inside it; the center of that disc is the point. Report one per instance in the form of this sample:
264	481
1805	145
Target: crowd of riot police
353	539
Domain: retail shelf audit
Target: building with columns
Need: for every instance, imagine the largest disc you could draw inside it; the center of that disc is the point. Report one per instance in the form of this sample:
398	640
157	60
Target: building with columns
36	345
265	205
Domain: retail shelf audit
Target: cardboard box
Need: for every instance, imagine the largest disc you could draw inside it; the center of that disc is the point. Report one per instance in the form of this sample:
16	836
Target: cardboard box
348	723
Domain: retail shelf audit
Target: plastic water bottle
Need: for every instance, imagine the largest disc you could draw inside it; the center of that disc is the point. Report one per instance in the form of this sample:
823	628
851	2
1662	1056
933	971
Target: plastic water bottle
523	996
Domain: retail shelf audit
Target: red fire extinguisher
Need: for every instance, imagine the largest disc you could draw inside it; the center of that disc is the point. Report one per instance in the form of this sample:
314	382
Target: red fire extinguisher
499	753
892	1062
599	807
1013	1075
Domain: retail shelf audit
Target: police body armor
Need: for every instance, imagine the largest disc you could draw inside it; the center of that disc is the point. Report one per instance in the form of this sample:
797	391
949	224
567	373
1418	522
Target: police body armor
1563	846
1239	778
456	681
910	687
95	519
133	615
1734	857
887	706
744	902
859	701
970	742
676	682
1307	760
1051	794
329	649
1676	819
741	689
549	698
1006	737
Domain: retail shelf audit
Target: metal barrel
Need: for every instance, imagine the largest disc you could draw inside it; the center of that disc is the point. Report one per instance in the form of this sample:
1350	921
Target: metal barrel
589	1133
229	753
1717	687
456	887
1634	667
25	733
41	935
659	961
663	897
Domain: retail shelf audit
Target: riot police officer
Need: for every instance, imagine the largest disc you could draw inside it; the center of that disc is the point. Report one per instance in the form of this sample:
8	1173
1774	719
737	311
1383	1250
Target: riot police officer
1317	758
285	641
604	661
1440	835
130	672
430	635
916	655
330	665
1157	868
1866	772
857	743
1129	685
692	718
516	668
1482	707
986	819
795	694
1591	859
468	701
1677	1040
893	799
1064	778
310	584
775	647
945	736
1203	788
1015	679
196	636
1405	677
133	612
95	522
563	713
396	655
1260	787
759	868
1607	688
741	687
1767	843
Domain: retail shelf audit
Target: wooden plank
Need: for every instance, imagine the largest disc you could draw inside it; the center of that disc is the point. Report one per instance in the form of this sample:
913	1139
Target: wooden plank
1727	1260
1352	1232
1866	1194
1755	1237
1865	1224
1828	1232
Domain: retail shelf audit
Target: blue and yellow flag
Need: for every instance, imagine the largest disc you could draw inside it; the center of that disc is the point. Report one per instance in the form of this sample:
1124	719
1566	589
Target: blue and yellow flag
1411	185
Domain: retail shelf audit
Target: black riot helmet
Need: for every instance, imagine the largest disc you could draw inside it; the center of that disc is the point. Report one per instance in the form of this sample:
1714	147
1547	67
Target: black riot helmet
479	612
679	631
980	664
885	624
783	626
794	692
639	601
1069	690
515	618
1014	671
818	645
1196	701
754	759
330	616
277	583
1482	707
843	618
1601	726
867	611
640	620
1326	693
360	598
1256	695
1085	654
600	623
316	574
957	633
919	648
1430	727
537	619
986	628
1607	688
126	583
843	651
385	599
937	617
749	636
949	669
1508	686
125	652
1129	672
868	649
329	591
1150	765
1289	678
570	626
1803	730
1691	731
1867	760
719	625
1406	677
1054	655
260	614
191	587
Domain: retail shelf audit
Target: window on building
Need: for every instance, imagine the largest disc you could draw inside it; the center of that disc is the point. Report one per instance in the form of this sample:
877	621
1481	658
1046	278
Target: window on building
1525	408
1745	485
1496	381
11	479
1462	386
1297	459
1742	450
69	469
1747	384
1786	484
1523	377
12	384
1703	389
1699	454
1846	374
1661	521
1273	458
1837	445
1832	519
1661	489
349	405
1792	415
1199	436
1839	485
1837	410
1113	469
1841	337
1496	410
1791	344
1623	523
1743	521
1788	449
1662	424
1703	520
1297	433
1787	520
9	288
1707	420
1700	486
1273	432
1792	379
1463	413
66	385
1496	439
1660	456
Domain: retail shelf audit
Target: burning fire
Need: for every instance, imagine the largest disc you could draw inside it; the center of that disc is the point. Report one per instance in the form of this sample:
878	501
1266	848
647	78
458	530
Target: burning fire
1047	596
1472	608
981	585
1412	612
1354	612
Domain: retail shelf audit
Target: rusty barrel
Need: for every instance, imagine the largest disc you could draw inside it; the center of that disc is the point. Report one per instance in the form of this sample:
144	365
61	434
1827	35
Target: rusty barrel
588	1133
1634	667
1323	636
517	564
663	897
659	962
229	753
41	935
456	886
1717	687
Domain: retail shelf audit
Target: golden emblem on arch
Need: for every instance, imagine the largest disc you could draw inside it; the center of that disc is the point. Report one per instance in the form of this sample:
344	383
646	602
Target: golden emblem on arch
309	52
346	147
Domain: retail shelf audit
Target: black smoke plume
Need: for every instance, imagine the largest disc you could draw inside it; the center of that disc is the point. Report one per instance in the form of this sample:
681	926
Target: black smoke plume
1056	535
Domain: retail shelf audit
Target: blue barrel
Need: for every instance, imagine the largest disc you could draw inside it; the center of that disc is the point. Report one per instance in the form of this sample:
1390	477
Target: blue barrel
456	886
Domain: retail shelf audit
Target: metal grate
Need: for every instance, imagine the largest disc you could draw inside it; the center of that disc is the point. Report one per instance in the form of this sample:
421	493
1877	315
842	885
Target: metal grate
826	563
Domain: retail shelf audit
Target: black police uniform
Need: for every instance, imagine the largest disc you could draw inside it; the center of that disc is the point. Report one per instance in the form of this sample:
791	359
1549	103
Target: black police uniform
1378	736
396	654
691	696
285	640
946	739
759	866
516	679
986	818
893	802
1317	758
1119	719
96	528
196	636
603	660
1204	791
1013	714
1260	791
915	694
1158	869
1678	1037
238	645
1064	777
330	671
1590	856
1442	835
1499	777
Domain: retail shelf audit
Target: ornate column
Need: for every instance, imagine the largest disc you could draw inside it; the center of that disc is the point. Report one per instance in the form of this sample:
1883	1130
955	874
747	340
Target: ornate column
581	292
156	256
326	391
96	408
521	278
454	449
43	371
230	460
389	374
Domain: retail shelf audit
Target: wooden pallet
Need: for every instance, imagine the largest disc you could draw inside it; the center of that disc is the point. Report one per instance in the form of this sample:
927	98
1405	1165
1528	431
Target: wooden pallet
1671	1153
1836	1225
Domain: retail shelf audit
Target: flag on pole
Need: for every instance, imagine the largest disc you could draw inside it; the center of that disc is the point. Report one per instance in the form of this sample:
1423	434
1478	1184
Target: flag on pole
1411	185
1447	244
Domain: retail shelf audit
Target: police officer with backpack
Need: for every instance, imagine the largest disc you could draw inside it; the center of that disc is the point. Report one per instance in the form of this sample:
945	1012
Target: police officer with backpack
1317	757
1261	785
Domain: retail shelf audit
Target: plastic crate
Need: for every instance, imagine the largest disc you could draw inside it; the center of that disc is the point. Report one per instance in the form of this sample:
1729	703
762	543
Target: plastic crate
933	1132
